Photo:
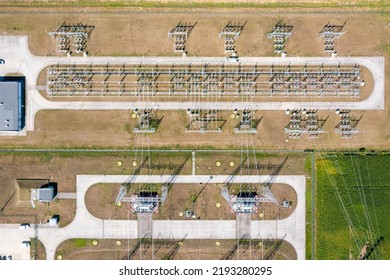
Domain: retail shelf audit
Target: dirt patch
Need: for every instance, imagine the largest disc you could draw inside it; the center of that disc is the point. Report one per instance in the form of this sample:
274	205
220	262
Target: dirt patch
15	212
83	249
100	198
59	168
205	197
209	204
272	211
108	129
115	129
38	251
42	213
100	202
107	249
146	33
206	162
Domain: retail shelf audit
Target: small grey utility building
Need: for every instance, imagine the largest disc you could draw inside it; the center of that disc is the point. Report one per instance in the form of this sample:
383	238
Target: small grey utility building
47	193
12	103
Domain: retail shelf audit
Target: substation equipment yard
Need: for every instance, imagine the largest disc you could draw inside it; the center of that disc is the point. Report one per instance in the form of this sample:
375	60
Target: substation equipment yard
307	89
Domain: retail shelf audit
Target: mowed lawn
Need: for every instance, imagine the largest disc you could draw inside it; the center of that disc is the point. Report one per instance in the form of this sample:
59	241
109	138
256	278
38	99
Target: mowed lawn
361	184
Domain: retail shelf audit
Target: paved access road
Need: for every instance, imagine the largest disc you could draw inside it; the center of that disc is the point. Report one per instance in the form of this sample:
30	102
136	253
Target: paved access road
11	238
20	60
87	226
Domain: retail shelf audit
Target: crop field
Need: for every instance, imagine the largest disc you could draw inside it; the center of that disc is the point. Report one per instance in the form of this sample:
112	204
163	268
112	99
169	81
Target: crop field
360	184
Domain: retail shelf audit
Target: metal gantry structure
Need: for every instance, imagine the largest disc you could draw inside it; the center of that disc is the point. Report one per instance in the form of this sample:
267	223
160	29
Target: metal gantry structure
147	197
168	184
133	251
269	248
280	32
247	200
347	125
231	253
330	32
146	79
369	248
126	186
204	80
230	33
68	33
145	201
273	170
174	249
225	188
180	34
245	242
304	121
208	121
144	244
148	122
248	121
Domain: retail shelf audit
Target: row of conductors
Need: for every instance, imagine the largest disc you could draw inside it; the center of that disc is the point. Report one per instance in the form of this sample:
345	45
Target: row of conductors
190	80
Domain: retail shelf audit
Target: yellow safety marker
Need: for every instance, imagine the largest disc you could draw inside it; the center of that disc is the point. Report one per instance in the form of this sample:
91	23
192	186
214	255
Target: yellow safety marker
118	243
218	163
59	257
95	242
134	163
232	116
232	163
119	204
218	204
260	243
119	163
133	115
181	214
180	243
217	243
261	214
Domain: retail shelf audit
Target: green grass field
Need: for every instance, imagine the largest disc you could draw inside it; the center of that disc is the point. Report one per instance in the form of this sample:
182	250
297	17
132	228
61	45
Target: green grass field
79	242
362	184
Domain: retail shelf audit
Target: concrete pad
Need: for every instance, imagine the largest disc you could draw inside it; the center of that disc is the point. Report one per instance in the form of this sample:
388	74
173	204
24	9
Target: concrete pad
11	238
63	195
243	225
144	225
87	226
